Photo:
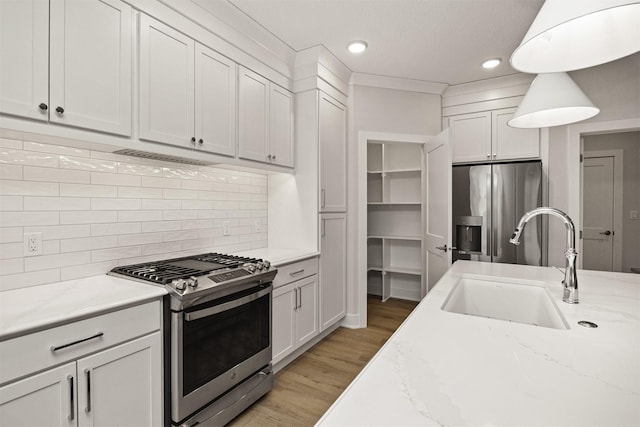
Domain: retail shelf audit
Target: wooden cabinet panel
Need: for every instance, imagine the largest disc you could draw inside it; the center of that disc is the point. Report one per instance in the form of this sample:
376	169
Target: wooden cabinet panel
471	134
90	64
166	84
24	55
284	322
333	155
512	143
307	312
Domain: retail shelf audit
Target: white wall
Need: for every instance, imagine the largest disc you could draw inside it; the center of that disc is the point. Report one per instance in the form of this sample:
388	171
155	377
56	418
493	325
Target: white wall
615	89
96	210
374	109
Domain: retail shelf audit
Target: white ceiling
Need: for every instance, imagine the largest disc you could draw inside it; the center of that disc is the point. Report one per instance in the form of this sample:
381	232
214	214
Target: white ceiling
442	41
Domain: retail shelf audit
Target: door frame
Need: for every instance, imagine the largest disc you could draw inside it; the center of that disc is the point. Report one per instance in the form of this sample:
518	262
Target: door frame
574	167
359	319
618	162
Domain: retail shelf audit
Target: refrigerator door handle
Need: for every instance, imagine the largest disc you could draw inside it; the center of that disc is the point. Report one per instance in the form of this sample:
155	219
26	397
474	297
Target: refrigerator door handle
497	228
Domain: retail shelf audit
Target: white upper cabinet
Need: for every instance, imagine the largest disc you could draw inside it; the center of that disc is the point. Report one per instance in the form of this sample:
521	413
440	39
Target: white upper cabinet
253	116
166	84
75	71
485	136
281	126
265	120
24	55
215	102
332	129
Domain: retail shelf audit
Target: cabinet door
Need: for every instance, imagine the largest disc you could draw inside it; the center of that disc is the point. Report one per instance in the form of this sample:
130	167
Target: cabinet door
45	399
253	116
513	143
284	318
122	386
281	126
166	84
307	309
333	154
471	137
215	102
24	55
90	60
333	266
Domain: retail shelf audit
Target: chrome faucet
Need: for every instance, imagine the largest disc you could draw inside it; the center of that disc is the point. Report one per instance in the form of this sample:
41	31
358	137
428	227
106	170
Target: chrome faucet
570	281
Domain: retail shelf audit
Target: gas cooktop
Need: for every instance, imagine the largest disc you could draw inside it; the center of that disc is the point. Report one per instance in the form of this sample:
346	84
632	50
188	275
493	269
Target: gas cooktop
194	275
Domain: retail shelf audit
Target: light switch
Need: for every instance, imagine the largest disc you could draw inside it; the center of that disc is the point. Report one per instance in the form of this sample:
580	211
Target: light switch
633	214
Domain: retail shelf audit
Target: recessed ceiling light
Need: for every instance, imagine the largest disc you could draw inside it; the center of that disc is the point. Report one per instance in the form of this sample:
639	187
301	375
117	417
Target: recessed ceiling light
357	46
491	63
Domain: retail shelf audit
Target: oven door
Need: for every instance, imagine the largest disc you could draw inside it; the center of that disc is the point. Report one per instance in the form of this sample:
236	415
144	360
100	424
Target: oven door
216	345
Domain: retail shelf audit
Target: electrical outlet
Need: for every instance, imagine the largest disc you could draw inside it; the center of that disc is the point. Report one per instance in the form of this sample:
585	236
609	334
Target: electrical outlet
32	244
633	214
226	228
257	226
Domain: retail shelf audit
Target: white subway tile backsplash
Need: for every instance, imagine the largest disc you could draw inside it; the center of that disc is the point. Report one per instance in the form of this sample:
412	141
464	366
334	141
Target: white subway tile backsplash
88	164
26	188
108	204
8	171
115	229
61	231
96	209
11	234
82	190
103	178
30	158
45	262
146	215
32	203
88	217
21	219
11	203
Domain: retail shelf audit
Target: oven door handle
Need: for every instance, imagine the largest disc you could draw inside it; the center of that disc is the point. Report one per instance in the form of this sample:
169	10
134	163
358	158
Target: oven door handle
206	312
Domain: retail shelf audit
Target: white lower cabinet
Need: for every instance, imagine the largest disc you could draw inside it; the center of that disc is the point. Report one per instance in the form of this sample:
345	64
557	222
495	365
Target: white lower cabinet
333	269
295	307
116	386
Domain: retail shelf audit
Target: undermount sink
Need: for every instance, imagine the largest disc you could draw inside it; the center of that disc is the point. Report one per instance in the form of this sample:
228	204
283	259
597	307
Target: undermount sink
509	299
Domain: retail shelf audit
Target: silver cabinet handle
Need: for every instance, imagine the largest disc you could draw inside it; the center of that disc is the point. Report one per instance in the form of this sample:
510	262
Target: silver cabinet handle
300	297
322	198
322	229
87	373
60	347
295	297
72	404
293	273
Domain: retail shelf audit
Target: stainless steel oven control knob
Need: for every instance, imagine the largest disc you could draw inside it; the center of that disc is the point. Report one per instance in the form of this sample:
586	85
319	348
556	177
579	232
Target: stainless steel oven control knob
266	264
259	265
179	284
192	282
250	267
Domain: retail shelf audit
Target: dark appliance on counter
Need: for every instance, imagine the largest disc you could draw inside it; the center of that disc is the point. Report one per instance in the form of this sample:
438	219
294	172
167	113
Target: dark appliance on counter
488	200
220	332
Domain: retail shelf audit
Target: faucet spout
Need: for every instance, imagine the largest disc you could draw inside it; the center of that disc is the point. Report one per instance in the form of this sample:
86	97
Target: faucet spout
570	281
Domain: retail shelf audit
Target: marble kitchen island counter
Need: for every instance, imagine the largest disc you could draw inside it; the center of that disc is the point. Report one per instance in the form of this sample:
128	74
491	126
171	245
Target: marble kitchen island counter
448	369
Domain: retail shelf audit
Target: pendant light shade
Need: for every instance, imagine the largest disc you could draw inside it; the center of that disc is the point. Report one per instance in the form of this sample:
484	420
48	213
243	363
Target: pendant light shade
574	34
552	100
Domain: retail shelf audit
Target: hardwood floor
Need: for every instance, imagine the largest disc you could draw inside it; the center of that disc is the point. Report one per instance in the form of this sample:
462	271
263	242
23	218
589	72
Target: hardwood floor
308	386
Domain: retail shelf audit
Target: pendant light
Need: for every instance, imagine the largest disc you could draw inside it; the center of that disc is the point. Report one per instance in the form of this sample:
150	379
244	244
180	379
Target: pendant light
574	34
552	100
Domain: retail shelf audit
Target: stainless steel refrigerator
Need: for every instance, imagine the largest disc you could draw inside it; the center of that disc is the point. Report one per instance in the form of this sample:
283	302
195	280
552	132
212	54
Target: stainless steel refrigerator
488	201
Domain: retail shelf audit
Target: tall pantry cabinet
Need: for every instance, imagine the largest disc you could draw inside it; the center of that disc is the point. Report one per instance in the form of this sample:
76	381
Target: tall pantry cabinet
332	146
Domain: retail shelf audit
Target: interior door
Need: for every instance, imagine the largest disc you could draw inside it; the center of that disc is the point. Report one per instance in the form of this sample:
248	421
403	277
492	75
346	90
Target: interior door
438	205
598	233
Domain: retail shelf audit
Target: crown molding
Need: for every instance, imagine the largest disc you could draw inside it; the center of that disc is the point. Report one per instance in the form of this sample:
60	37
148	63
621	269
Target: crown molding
397	83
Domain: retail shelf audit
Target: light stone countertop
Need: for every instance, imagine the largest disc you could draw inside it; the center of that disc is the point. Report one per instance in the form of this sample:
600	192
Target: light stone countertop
448	369
280	256
35	308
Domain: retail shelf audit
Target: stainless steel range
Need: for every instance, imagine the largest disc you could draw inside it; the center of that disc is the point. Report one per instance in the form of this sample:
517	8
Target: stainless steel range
220	317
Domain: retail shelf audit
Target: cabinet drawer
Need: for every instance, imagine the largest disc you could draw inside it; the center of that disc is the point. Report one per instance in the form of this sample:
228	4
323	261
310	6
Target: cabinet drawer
40	350
296	270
